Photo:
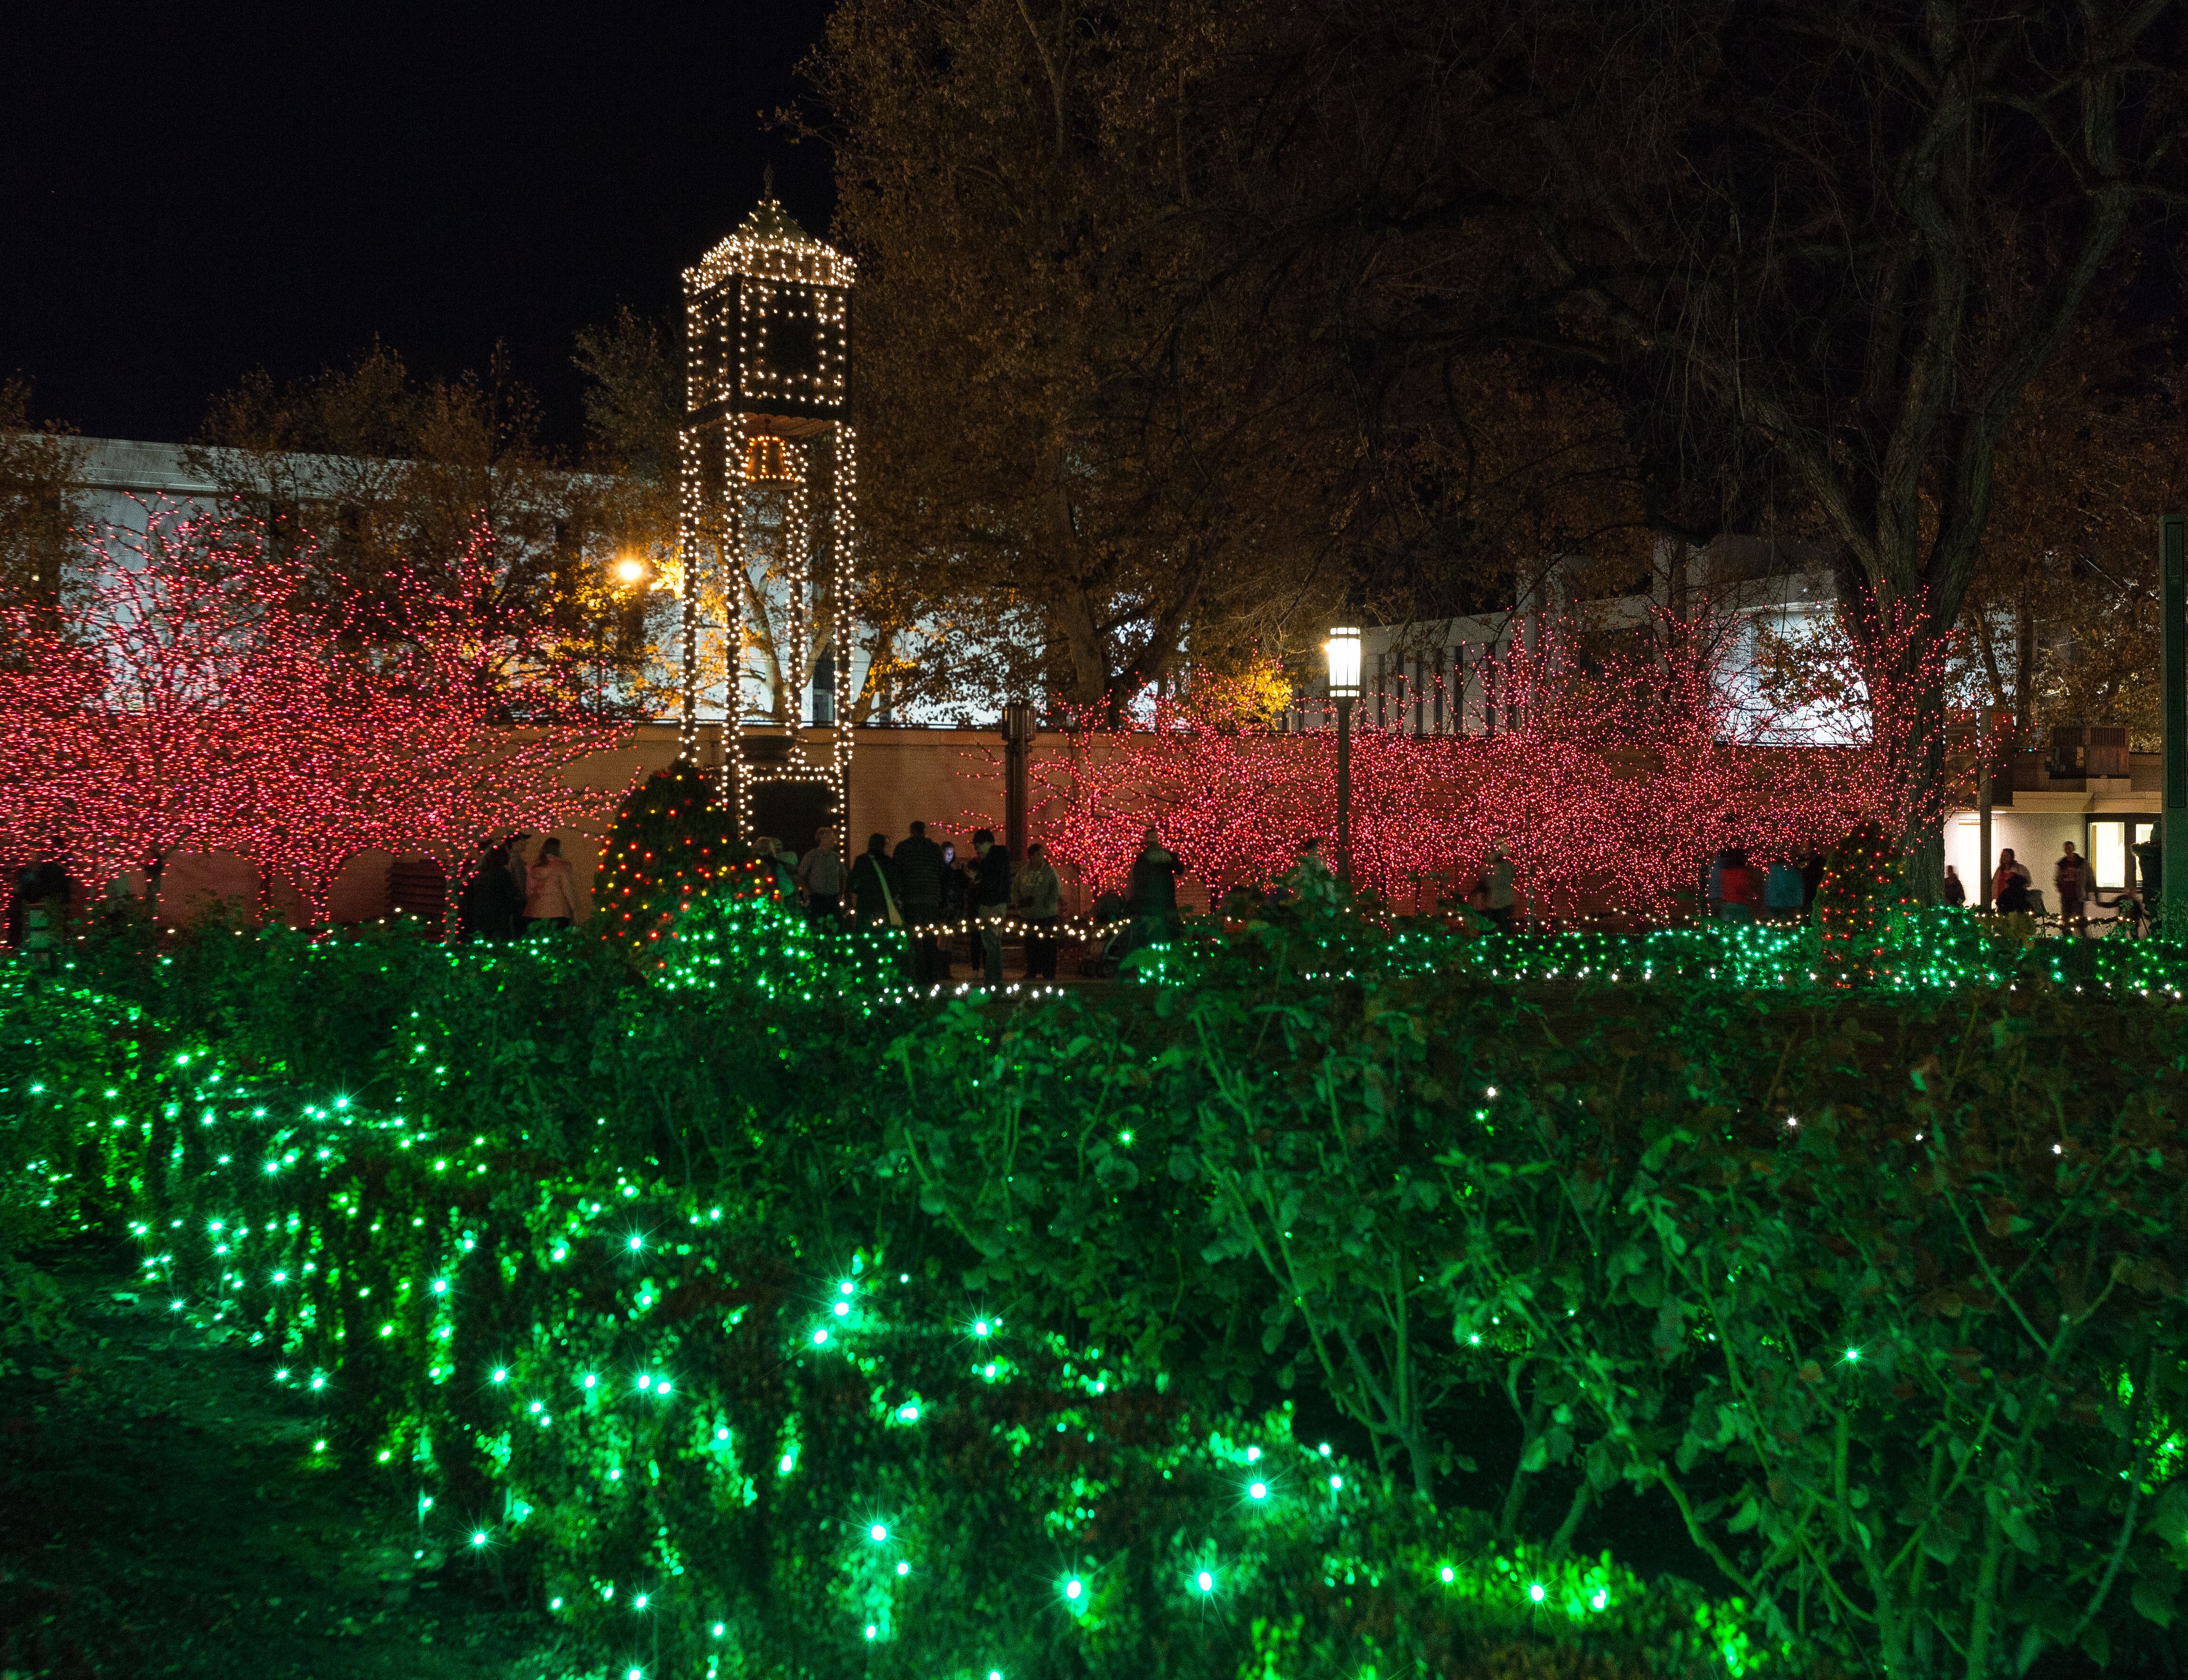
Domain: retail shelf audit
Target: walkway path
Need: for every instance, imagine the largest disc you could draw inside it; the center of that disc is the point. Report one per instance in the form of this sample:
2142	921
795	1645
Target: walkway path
163	1512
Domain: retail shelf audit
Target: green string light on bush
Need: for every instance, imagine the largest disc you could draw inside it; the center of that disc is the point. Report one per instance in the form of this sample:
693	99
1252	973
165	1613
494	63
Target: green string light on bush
381	1163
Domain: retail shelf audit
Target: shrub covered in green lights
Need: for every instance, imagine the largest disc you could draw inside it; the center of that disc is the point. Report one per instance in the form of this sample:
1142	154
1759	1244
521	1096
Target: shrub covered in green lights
1326	1307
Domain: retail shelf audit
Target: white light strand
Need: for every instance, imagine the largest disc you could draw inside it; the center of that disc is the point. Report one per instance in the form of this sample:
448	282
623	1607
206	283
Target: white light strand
770	276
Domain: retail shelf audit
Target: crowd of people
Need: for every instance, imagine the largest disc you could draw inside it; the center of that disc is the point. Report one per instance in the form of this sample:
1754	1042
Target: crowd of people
1739	890
2014	892
926	885
942	894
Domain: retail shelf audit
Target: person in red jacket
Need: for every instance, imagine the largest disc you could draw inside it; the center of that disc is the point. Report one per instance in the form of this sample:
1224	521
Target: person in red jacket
1739	888
2070	875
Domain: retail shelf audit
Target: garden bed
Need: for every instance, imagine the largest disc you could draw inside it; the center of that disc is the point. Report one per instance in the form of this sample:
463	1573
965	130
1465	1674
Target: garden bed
904	1322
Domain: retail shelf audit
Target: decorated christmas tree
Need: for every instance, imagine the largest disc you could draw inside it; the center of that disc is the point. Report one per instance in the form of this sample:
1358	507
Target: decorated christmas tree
1862	894
671	847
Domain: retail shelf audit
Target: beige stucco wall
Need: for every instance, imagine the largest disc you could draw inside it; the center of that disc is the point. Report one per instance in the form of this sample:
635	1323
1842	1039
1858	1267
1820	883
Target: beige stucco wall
950	779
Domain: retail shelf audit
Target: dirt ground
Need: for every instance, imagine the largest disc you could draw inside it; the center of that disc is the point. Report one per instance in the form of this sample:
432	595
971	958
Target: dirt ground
163	1511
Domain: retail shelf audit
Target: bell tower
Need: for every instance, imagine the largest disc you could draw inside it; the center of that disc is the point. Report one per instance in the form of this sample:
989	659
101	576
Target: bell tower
769	490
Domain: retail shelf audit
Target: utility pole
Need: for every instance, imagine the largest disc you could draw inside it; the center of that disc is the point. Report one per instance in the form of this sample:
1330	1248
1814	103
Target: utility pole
2173	885
1019	726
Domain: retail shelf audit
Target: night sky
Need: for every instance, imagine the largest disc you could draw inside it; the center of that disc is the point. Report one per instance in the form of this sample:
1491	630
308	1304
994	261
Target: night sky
188	191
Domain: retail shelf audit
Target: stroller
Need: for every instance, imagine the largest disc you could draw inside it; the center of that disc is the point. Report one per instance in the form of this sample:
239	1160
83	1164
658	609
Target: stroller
1105	963
2129	920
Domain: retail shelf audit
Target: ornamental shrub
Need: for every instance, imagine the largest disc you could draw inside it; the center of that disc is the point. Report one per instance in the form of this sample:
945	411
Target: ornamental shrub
670	843
1545	1270
1891	1333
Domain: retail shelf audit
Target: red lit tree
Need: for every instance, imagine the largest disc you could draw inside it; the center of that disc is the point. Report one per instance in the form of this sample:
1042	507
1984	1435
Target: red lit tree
1610	779
198	688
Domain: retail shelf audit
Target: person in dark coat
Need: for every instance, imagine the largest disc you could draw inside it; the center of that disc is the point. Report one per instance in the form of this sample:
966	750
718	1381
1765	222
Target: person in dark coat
491	907
874	887
1153	889
991	901
519	871
919	869
955	903
1811	881
43	896
1154	878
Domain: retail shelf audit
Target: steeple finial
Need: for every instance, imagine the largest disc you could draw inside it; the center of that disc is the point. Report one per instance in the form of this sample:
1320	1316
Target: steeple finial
767	179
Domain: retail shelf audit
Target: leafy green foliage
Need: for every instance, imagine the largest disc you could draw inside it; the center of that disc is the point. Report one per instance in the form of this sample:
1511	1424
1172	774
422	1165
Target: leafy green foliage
1471	1281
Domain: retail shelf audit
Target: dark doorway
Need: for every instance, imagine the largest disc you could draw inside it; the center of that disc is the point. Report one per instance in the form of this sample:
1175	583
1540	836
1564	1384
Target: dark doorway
792	812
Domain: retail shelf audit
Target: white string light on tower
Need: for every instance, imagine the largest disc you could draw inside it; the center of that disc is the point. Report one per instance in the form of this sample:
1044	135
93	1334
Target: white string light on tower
767	319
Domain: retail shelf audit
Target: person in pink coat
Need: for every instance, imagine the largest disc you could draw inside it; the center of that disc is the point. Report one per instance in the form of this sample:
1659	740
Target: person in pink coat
550	897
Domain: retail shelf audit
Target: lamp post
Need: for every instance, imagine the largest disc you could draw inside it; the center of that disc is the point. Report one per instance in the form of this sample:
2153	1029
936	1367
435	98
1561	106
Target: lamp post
1343	651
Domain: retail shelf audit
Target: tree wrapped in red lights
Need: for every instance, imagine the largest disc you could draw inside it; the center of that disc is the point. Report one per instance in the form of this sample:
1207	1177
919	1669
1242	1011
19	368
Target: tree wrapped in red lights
1611	776
199	688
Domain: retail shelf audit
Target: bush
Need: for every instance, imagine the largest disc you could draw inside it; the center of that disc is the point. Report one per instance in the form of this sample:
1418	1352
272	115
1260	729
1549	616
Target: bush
1547	1270
669	845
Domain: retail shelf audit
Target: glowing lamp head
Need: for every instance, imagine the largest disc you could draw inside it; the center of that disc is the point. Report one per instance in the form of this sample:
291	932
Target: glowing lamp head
1260	1490
630	570
479	1538
1205	1582
877	1533
1343	648
1074	1590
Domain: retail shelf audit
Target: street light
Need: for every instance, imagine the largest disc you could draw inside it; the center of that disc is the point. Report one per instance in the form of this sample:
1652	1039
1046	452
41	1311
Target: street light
1343	651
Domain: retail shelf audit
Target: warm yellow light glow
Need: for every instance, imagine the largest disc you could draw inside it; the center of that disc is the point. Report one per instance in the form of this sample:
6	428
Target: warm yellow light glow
631	571
1343	651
